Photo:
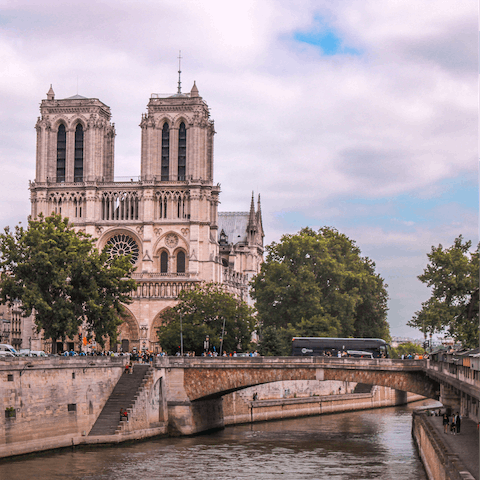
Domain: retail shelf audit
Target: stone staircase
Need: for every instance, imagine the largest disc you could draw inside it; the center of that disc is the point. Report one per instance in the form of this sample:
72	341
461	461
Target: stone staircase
123	396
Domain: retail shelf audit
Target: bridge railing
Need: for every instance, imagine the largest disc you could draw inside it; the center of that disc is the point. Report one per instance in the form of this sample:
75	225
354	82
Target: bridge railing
288	362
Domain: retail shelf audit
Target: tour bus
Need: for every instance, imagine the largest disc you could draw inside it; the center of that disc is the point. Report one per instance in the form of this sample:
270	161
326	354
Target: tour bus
326	346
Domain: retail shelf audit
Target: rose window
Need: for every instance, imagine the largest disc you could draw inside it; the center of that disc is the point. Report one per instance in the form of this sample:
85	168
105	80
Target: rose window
123	245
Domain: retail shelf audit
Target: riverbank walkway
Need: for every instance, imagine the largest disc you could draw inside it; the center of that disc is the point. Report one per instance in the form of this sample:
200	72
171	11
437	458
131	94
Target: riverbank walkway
465	444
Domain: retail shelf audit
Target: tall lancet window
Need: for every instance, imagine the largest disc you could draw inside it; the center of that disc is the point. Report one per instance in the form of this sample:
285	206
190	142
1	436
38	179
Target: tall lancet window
61	152
165	152
181	262
78	171
164	262
182	152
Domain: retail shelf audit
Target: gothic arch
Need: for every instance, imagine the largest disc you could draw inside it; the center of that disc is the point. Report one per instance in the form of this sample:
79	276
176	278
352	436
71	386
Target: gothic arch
162	243
129	331
180	265
179	119
164	120
79	120
156	324
58	120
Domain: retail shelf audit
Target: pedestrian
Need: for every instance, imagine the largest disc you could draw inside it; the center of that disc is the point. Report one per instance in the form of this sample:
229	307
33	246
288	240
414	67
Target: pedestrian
445	422
452	425
458	422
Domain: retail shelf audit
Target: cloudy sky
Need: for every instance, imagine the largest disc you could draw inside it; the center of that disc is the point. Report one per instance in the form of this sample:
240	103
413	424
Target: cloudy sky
356	114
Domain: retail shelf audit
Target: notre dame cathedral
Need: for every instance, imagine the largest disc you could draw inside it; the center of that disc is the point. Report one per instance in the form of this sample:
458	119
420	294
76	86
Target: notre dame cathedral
167	218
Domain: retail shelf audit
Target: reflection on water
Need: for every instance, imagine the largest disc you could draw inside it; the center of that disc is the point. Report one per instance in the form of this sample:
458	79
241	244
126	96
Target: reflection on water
357	445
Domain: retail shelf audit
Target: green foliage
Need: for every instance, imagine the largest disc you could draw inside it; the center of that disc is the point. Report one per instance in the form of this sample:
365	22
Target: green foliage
452	274
276	341
203	311
405	349
318	283
58	274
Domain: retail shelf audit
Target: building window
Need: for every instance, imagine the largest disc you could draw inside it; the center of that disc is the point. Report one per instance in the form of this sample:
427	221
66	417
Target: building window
182	152
72	407
123	245
61	152
78	172
162	207
165	152
164	262
181	262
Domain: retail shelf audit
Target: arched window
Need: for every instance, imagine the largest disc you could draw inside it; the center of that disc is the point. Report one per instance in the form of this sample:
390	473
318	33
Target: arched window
61	152
181	262
164	262
182	152
165	152
78	171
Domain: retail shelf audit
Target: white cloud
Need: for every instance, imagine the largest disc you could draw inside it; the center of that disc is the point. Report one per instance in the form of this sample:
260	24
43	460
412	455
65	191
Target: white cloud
305	130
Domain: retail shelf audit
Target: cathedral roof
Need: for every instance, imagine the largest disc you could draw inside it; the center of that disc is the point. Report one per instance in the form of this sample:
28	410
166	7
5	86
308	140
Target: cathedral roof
77	97
234	224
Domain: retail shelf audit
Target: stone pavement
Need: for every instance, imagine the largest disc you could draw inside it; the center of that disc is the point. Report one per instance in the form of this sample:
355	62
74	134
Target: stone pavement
465	444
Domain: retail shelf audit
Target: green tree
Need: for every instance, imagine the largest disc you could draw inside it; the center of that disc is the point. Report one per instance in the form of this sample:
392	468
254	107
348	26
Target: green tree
59	275
276	341
452	274
320	284
204	311
405	349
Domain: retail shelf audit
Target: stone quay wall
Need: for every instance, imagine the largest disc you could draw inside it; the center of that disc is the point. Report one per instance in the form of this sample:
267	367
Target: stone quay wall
50	402
438	463
290	399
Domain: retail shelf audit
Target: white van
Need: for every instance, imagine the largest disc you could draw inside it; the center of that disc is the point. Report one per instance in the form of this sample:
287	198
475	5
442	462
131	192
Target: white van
8	348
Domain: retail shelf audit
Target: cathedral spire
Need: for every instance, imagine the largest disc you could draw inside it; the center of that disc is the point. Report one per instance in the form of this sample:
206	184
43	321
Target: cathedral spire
251	218
179	91
259	217
194	91
51	94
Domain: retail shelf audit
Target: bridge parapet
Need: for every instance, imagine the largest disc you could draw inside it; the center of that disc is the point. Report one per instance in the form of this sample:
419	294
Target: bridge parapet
291	362
212	377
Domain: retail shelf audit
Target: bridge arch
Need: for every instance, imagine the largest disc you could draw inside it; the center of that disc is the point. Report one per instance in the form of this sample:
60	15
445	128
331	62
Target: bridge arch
214	382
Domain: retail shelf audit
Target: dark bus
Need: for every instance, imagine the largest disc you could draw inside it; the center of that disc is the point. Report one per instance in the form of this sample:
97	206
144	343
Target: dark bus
344	347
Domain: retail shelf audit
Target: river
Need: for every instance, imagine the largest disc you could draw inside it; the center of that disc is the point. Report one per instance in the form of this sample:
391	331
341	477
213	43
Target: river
367	444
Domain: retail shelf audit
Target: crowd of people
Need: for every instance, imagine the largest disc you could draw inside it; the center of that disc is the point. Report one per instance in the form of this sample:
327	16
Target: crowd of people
452	423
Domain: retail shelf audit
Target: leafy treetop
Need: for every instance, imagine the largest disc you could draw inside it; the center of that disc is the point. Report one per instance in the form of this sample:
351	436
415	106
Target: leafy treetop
452	274
58	274
318	284
207	310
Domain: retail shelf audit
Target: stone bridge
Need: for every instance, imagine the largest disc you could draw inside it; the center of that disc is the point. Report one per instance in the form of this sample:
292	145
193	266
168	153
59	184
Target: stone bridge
193	387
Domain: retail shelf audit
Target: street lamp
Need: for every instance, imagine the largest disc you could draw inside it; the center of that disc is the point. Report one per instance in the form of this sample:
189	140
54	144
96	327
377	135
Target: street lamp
221	340
181	334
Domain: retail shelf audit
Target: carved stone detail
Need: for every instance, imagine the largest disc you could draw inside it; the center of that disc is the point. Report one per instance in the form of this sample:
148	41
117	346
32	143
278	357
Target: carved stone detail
171	240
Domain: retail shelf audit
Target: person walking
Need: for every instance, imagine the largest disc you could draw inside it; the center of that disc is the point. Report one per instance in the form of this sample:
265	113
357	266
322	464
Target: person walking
445	423
452	425
458	422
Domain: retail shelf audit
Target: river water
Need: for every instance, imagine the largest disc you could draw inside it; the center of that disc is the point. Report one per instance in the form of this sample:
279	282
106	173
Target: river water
367	444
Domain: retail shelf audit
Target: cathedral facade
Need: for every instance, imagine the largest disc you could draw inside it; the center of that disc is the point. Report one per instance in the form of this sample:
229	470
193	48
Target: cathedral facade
167	218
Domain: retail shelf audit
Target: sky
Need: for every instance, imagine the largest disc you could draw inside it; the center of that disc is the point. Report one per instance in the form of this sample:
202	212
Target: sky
356	114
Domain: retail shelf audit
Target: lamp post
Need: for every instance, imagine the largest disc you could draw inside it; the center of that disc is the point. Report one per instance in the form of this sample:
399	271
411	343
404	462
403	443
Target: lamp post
181	334
221	340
